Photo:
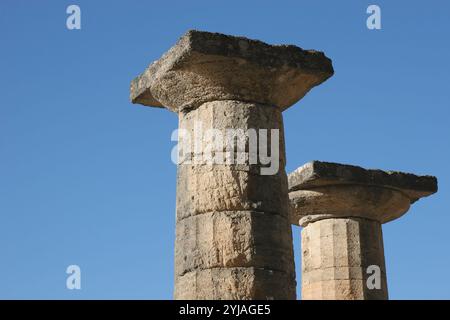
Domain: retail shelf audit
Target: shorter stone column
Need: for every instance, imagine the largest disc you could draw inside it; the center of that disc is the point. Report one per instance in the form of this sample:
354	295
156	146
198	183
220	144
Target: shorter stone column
341	209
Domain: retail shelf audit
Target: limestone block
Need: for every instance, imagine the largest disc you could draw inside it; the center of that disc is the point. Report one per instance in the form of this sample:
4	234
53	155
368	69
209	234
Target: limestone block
211	126
318	173
235	284
320	190
336	254
333	201
206	188
205	66
233	239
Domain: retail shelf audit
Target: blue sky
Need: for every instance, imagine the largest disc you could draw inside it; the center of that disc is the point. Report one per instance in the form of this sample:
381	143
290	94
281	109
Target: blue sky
86	177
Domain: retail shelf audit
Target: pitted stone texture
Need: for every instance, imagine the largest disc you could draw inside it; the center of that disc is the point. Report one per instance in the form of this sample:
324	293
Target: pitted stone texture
225	83
335	256
243	123
341	208
235	284
234	239
231	215
317	174
223	187
205	66
320	190
206	188
334	201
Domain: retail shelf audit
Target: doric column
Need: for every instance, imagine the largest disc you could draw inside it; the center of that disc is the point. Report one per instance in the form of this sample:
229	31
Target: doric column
233	236
341	209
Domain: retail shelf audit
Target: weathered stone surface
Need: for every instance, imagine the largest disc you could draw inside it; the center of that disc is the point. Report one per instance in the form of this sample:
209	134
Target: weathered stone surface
206	188
241	122
335	256
234	239
205	66
319	190
235	284
341	208
317	173
233	234
223	187
229	215
334	201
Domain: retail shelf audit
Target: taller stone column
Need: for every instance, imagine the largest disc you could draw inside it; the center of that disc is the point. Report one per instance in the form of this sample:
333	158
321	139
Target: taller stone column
341	209
233	235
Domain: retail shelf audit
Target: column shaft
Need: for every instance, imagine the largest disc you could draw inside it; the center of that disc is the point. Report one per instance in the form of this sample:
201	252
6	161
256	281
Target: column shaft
335	256
233	237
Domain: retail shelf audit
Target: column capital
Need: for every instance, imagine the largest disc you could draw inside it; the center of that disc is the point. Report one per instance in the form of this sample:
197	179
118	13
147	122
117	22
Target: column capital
321	190
205	66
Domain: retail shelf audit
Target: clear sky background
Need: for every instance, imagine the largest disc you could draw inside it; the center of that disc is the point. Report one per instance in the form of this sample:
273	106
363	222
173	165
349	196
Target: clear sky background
86	177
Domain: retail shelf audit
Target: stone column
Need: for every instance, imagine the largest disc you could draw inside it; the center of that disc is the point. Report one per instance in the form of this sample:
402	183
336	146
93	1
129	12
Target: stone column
233	235
341	209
